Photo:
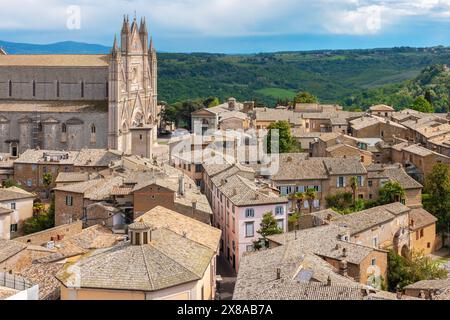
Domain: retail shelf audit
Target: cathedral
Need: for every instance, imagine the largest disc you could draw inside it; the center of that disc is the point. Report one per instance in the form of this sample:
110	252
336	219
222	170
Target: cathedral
71	102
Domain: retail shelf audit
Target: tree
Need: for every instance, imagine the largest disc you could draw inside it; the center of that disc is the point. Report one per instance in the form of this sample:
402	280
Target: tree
293	220
286	143
268	227
297	199
47	179
311	195
41	220
391	192
403	271
421	104
305	97
211	102
437	201
354	186
11	183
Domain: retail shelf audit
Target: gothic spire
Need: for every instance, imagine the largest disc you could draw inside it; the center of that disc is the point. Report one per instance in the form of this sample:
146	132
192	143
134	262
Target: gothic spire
115	47
134	25
126	25
143	27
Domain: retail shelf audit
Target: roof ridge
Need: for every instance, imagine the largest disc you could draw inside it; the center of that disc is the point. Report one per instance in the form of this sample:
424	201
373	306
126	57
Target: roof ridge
147	268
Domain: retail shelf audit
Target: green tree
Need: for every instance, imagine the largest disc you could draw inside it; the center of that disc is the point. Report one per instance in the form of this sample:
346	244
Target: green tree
297	200
305	97
294	220
340	201
268	227
211	102
41	220
47	179
354	186
286	143
391	192
421	104
310	196
403	271
11	183
437	200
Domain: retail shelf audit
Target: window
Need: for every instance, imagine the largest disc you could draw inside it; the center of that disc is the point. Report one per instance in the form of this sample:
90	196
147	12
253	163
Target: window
63	128
198	168
370	183
361	181
374	262
107	89
280	224
29	182
375	242
370	196
10	88
34	88
93	129
249	229
341	182
428	245
57	89
140	137
13	206
250	248
421	232
82	89
137	238
279	211
69	201
250	213
145	238
13	227
316	204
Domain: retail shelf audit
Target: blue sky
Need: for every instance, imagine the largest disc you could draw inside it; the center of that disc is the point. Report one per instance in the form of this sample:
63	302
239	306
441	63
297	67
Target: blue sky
234	26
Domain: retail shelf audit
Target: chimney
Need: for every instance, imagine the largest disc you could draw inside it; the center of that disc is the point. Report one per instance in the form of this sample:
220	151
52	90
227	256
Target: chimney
329	281
194	207
181	185
343	267
412	222
278	273
422	294
231	104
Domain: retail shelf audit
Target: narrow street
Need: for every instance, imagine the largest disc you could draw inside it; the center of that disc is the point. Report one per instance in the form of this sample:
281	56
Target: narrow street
225	287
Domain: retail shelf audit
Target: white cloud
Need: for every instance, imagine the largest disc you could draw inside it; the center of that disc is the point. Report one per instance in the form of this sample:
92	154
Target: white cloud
225	17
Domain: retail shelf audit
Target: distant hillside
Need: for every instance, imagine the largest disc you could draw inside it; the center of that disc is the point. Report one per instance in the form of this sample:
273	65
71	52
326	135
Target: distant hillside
354	78
333	76
433	83
66	47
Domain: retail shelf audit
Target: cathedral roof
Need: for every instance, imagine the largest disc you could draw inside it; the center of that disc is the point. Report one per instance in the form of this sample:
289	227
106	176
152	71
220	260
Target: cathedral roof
55	60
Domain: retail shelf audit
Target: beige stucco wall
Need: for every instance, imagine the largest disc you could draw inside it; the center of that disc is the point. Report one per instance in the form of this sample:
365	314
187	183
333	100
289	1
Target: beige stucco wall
24	210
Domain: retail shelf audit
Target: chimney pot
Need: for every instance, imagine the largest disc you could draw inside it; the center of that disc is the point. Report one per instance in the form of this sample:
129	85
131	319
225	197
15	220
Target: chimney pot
329	281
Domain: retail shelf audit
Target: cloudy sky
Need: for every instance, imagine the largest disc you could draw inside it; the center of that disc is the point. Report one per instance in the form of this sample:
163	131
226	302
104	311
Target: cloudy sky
234	25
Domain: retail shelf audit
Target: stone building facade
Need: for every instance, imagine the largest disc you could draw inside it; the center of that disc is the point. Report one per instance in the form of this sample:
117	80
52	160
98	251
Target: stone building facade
70	102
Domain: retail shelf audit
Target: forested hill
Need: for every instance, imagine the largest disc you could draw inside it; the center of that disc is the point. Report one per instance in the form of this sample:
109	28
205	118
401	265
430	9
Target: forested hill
349	77
354	78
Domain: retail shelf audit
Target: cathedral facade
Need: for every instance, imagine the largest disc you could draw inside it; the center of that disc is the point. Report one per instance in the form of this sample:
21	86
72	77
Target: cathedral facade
70	102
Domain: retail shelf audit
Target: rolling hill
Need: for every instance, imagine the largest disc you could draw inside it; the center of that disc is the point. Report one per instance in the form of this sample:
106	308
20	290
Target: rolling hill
349	77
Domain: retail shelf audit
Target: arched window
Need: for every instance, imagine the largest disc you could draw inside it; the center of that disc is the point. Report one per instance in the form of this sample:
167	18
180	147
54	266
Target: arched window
57	89
82	89
34	88
10	88
63	128
40	126
93	128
